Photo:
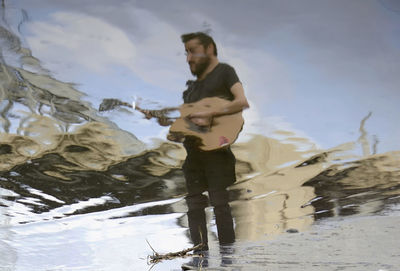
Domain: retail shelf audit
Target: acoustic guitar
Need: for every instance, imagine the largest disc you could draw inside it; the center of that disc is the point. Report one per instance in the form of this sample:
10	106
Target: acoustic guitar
217	133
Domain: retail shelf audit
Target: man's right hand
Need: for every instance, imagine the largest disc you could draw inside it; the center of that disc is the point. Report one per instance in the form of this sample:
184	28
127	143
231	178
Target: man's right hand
176	137
147	113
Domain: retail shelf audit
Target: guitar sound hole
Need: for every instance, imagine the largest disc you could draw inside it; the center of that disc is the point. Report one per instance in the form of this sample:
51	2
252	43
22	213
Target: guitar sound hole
197	128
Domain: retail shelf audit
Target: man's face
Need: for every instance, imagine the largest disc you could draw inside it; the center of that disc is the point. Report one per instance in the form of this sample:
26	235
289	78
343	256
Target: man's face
197	57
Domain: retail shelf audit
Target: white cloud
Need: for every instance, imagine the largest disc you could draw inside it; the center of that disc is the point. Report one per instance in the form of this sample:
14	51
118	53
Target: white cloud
71	40
160	60
264	76
274	127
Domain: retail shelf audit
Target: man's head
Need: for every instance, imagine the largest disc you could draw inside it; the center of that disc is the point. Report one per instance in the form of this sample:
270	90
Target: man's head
200	49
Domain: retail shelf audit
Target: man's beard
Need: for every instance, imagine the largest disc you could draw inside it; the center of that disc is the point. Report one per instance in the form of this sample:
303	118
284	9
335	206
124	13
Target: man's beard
201	66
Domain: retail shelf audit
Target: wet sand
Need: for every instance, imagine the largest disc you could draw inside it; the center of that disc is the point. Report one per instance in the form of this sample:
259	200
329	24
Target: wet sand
356	243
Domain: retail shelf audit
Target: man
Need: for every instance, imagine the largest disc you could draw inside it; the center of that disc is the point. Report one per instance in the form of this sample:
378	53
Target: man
211	171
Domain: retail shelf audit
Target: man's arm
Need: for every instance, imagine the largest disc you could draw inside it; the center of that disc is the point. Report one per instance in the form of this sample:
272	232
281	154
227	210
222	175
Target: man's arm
238	104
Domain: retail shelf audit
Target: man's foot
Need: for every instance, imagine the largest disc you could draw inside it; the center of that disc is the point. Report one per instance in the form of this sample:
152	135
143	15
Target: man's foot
187	266
193	266
201	250
226	252
198	261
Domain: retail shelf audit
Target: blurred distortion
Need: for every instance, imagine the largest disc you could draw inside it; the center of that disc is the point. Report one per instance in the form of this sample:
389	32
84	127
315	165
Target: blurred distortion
59	157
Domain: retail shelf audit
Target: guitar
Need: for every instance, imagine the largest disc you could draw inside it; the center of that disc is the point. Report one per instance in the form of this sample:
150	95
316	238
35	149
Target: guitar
212	134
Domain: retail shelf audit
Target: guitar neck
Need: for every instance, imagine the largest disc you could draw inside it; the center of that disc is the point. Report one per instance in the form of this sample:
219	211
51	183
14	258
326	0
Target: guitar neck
161	113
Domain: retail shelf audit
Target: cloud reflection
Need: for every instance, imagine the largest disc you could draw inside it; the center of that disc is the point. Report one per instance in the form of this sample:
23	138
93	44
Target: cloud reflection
314	71
70	40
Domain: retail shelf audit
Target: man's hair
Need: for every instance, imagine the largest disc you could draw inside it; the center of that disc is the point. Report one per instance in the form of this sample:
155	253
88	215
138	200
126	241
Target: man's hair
204	39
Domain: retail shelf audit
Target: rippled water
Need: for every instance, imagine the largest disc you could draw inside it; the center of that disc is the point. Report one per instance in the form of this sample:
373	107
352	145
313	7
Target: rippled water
80	191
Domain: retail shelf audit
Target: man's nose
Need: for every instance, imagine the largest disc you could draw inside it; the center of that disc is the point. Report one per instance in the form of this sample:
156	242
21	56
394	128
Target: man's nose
188	57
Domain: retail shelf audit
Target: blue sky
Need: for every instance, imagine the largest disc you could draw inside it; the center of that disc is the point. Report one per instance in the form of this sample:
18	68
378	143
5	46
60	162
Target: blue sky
315	68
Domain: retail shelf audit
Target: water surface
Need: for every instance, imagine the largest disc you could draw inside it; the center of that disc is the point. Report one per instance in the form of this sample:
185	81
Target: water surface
83	189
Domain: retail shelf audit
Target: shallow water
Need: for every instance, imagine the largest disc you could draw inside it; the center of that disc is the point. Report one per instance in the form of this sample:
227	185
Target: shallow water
82	189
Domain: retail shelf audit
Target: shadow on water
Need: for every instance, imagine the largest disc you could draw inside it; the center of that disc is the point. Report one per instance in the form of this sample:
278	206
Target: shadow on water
60	158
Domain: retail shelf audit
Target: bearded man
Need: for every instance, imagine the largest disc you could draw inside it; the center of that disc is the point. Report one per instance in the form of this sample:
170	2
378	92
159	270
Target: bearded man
211	171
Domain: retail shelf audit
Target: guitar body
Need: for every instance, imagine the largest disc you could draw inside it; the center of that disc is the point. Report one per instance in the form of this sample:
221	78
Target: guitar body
220	133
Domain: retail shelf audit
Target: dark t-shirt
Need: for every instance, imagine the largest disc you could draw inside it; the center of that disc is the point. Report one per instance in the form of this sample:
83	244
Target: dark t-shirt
217	83
212	170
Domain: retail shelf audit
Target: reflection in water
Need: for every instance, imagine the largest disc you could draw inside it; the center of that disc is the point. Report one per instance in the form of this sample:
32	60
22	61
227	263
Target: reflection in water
214	170
274	200
85	166
330	183
363	186
59	159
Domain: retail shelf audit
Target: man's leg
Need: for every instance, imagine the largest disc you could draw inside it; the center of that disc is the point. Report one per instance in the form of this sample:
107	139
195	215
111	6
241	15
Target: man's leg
196	201
220	173
197	219
223	217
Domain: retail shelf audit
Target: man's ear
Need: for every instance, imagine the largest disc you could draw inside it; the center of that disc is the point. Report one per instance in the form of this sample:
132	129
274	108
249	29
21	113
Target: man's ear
210	49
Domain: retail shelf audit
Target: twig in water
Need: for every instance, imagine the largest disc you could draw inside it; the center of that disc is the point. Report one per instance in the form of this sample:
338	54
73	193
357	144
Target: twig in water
156	257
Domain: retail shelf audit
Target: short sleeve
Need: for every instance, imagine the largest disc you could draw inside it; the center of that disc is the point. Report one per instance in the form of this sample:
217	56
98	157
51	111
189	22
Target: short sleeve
231	76
185	94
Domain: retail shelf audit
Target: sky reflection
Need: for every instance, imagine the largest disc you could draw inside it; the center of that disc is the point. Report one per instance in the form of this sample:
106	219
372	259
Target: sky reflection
322	80
313	68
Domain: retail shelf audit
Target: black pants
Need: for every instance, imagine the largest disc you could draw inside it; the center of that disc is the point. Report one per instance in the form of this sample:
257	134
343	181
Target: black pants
213	172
